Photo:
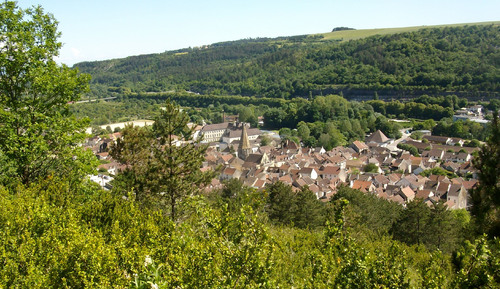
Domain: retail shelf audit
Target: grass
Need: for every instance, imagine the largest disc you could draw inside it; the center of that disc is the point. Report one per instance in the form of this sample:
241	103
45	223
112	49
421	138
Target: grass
347	35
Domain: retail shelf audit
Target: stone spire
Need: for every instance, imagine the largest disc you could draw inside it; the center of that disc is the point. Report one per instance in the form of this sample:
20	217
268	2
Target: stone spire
244	149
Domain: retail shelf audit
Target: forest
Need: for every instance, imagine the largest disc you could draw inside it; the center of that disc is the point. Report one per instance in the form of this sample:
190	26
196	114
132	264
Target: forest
463	60
160	227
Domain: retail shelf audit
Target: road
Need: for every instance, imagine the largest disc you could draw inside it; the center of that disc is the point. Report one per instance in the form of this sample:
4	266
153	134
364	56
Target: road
394	146
94	100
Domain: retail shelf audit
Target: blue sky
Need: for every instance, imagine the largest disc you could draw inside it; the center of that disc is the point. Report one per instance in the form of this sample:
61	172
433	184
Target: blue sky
105	29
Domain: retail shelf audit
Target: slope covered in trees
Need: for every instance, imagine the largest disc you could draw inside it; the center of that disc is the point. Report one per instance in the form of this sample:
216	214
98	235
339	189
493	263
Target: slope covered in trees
59	230
456	59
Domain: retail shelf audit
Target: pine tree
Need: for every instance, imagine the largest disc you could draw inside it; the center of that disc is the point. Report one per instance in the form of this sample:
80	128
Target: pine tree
485	198
163	163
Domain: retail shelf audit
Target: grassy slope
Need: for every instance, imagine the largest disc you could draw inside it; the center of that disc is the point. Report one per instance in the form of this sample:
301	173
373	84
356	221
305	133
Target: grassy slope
347	35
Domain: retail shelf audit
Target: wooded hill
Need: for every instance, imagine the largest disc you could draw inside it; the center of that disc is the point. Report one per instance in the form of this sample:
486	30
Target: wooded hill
463	60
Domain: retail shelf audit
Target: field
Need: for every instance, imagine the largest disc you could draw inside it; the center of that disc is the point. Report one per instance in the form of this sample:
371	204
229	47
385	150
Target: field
347	35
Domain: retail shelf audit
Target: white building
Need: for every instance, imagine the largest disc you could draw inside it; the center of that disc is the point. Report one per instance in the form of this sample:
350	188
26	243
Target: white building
214	132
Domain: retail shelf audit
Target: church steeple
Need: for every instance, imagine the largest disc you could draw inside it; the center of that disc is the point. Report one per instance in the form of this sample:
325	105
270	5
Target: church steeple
244	149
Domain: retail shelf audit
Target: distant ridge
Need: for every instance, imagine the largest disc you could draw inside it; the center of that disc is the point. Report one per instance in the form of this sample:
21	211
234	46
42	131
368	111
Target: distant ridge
460	59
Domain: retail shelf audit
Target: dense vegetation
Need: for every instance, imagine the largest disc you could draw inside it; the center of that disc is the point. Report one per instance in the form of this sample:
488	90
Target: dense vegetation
157	228
460	59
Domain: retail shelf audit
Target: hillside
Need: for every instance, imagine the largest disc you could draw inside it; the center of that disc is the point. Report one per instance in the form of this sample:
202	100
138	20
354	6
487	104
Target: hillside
462	59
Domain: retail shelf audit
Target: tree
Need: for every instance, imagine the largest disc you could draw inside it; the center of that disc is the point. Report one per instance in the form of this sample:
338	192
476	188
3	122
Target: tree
443	230
39	136
303	130
163	163
485	198
301	209
412	226
281	203
370	168
265	140
247	115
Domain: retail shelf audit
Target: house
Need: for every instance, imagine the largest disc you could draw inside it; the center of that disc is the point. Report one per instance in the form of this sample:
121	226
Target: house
452	167
437	139
407	194
364	186
230	173
331	172
214	132
476	109
424	194
402	165
354	164
434	154
457	194
214	185
455	141
359	147
233	134
102	155
397	199
462	157
308	172
256	160
109	167
381	181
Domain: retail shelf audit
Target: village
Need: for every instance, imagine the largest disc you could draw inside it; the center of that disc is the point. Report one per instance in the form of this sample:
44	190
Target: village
375	166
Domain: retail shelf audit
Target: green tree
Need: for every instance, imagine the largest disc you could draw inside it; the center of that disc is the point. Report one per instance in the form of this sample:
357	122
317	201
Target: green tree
368	212
247	115
310	212
281	203
265	140
39	136
485	198
164	162
477	264
370	168
443	228
412	225
301	209
303	130
133	149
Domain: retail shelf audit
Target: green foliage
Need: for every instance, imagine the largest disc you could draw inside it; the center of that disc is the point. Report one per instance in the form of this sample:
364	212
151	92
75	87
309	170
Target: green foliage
478	265
485	198
247	115
55	236
439	171
412	109
39	136
61	231
462	129
45	243
409	148
161	171
367	213
417	135
436	227
265	140
301	209
117	110
430	60
370	168
472	143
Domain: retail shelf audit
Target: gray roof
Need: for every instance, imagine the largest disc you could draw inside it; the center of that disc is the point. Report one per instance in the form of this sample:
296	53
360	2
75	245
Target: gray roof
216	126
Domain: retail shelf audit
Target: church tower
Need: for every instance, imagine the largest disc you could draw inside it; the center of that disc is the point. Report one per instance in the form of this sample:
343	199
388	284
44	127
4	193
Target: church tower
244	149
